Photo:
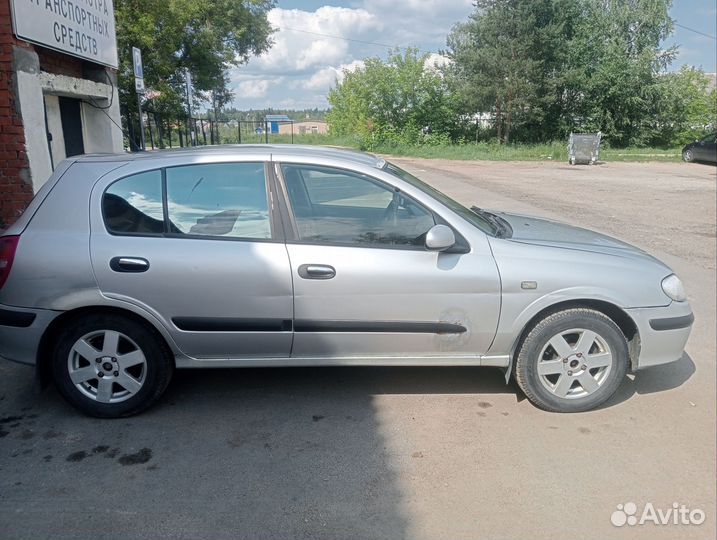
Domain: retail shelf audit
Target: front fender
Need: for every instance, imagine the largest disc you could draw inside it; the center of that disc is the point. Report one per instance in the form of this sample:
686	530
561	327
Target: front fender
566	275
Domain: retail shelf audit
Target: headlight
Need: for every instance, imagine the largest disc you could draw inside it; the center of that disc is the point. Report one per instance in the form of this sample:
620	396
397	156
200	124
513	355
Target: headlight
673	288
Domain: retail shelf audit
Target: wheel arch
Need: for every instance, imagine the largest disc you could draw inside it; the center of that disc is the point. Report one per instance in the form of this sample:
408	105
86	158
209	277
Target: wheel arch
43	362
615	313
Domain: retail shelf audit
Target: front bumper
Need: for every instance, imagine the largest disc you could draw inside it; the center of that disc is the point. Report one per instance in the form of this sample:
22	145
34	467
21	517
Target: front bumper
21	330
663	332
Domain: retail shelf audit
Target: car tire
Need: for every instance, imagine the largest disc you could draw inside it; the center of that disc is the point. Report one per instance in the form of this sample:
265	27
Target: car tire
572	361
110	366
688	156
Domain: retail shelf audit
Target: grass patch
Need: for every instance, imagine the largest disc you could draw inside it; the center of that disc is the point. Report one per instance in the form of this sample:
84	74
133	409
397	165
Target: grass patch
556	151
526	152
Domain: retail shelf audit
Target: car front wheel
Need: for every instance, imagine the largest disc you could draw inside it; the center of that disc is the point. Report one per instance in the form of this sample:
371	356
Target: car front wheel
110	366
688	156
572	361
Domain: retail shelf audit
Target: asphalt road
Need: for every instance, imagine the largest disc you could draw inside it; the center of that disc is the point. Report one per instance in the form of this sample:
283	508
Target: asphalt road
398	452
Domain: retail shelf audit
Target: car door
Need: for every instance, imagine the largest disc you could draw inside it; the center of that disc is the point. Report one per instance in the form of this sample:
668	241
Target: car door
364	283
705	148
698	150
196	245
710	148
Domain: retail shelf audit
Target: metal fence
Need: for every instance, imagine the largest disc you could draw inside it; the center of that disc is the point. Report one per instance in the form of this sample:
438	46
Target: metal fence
200	132
254	131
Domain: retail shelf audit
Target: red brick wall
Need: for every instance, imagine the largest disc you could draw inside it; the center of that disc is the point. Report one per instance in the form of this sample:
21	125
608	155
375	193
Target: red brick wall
15	181
15	185
61	64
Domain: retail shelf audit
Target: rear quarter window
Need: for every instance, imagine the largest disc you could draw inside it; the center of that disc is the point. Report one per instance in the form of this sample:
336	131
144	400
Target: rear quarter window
133	205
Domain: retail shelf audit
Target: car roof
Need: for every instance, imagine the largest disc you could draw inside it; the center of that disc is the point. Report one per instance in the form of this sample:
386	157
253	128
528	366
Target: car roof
239	149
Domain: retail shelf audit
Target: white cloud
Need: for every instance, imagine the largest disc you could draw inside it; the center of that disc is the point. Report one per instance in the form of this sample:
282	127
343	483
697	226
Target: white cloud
252	88
300	42
321	52
415	22
307	59
326	78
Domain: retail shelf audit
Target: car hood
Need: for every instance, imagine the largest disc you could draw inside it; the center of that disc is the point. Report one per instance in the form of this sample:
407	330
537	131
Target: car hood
545	232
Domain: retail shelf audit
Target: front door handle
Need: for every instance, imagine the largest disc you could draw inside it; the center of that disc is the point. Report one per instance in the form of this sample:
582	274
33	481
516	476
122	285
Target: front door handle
129	264
316	271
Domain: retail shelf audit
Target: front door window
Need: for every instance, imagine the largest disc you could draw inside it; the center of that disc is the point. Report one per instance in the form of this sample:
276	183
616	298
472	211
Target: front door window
332	206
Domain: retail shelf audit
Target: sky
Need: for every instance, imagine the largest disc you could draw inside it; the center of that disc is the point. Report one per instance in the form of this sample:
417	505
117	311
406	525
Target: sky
315	41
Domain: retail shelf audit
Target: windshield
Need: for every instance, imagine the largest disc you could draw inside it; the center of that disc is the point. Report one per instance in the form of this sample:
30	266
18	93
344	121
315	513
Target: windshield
470	216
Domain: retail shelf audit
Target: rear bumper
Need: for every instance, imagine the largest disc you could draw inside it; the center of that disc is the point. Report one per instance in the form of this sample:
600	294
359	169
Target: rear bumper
663	332
20	332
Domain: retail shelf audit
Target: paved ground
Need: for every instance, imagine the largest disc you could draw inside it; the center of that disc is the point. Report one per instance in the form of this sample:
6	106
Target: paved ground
391	453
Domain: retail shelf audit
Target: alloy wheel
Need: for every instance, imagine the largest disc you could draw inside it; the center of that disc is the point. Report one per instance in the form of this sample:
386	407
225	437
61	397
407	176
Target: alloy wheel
574	363
107	366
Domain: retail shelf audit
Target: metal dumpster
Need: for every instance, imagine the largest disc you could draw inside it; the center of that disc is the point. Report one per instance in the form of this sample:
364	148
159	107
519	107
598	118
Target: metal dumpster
584	148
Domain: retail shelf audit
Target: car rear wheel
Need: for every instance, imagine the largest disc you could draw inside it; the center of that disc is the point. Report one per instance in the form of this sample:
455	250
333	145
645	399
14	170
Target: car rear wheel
688	156
110	366
572	361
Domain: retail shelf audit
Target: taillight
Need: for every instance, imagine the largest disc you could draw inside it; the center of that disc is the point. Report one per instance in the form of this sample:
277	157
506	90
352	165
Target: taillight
8	245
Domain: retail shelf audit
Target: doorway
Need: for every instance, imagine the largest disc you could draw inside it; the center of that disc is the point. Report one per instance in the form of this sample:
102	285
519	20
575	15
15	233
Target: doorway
71	119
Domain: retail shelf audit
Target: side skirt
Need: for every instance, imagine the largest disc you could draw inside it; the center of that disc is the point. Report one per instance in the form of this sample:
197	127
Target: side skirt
184	362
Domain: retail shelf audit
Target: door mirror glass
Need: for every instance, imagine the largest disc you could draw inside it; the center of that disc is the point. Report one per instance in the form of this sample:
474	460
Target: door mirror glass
440	238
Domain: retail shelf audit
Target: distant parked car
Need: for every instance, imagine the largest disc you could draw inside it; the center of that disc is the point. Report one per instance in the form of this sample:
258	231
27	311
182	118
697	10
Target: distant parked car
125	267
703	150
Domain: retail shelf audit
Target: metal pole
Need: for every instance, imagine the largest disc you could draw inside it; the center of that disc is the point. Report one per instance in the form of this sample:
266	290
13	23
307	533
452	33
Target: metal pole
189	115
141	122
292	132
149	128
239	132
266	132
160	130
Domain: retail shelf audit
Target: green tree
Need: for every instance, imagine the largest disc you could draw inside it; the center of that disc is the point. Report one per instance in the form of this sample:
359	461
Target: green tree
206	37
543	68
616	59
685	110
399	100
510	59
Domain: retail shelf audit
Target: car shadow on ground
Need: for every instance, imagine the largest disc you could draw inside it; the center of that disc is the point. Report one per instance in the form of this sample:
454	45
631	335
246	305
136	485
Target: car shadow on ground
654	379
343	382
409	380
273	452
252	453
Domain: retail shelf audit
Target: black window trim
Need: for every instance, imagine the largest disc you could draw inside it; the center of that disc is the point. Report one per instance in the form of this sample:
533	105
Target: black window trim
277	231
462	246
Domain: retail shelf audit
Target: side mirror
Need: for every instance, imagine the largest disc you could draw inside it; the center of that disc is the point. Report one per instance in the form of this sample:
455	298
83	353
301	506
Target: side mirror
440	238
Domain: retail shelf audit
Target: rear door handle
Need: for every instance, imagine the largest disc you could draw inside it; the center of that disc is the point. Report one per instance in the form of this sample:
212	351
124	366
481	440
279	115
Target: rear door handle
129	264
316	271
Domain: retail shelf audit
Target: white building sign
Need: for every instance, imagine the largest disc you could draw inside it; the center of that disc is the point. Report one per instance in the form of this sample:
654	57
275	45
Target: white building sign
84	28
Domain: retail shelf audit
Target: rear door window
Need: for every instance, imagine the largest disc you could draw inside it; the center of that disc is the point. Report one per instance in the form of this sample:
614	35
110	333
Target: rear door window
222	199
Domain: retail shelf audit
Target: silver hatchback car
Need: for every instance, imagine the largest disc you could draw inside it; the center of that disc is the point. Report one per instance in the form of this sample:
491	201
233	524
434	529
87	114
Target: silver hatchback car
125	267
